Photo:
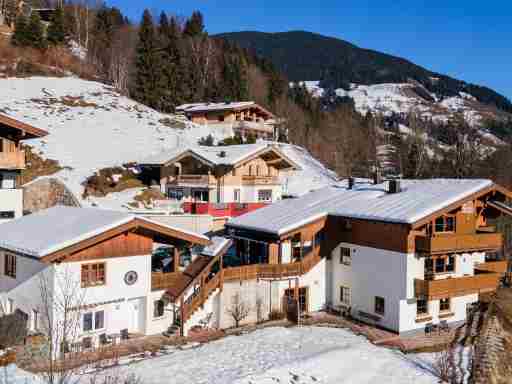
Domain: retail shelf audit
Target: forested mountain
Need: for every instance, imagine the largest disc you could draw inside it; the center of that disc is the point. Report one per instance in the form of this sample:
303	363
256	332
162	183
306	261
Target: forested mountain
336	63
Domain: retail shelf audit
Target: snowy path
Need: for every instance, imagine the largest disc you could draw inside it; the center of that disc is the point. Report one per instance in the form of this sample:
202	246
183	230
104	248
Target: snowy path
283	355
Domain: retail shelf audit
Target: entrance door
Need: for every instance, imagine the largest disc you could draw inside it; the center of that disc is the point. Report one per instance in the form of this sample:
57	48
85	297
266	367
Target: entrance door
136	308
303	298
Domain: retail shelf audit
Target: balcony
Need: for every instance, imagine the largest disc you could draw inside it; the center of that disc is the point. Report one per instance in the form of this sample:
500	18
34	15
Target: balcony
194	180
12	160
447	243
456	286
259	180
493	266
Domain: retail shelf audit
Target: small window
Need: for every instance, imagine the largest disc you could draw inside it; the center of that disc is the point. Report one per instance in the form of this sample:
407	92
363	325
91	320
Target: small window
319	237
257	170
93	321
10	265
10	306
185	257
444	305
87	322
379	305
449	224
265	195
93	274
450	264
236	195
345	295
175	194
345	256
440	264
7	214
422	307
158	308
35	320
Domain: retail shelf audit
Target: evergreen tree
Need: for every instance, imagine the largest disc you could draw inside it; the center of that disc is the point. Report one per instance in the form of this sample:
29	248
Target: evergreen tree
35	32
195	25
11	12
19	37
147	82
56	33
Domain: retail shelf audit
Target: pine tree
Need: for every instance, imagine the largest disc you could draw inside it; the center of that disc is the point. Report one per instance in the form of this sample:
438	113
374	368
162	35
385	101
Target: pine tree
56	34
195	25
147	83
11	12
19	37
35	32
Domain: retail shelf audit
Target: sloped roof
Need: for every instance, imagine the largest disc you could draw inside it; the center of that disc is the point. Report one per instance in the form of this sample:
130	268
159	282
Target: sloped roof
417	200
228	106
220	155
48	231
30	131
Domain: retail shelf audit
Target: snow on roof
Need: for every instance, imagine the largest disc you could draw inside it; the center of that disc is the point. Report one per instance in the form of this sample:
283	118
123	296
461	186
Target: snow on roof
199	107
418	199
53	229
218	243
226	155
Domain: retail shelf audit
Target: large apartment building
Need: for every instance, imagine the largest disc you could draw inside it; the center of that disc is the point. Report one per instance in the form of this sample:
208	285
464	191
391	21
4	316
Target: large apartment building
221	181
12	162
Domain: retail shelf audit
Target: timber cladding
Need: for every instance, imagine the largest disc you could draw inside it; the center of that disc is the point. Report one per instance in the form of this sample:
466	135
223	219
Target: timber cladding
125	244
374	234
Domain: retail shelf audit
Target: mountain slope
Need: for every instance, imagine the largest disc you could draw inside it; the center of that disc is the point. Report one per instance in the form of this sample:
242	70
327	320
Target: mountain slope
93	127
304	56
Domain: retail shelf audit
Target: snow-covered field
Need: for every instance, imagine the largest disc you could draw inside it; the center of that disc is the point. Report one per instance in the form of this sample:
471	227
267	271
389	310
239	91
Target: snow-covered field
284	355
93	127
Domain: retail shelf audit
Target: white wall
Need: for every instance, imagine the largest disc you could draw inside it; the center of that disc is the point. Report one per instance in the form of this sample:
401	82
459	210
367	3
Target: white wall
11	200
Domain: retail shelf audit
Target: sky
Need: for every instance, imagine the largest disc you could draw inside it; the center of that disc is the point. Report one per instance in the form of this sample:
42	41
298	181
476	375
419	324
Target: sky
467	39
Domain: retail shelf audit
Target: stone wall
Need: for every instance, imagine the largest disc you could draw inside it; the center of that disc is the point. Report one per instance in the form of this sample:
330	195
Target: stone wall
45	193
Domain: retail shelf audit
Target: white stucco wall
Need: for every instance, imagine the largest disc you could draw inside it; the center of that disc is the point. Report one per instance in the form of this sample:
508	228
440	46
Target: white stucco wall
11	200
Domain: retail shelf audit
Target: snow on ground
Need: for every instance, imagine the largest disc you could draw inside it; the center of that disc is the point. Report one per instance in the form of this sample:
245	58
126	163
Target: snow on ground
91	126
283	355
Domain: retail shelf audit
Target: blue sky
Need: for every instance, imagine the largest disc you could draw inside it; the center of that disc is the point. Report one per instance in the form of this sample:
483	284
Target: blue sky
470	40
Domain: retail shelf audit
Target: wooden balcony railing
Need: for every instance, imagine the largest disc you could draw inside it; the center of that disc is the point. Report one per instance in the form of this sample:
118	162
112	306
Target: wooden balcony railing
194	179
493	266
259	180
459	243
199	298
273	271
12	160
456	286
160	280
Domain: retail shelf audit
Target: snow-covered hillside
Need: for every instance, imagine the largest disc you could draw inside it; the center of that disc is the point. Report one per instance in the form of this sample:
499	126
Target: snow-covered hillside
408	97
93	127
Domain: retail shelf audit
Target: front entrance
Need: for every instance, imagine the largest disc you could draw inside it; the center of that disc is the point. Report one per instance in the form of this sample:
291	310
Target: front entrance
303	299
136	310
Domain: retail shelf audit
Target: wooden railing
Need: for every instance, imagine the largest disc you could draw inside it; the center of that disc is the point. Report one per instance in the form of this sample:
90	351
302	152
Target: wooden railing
12	160
160	280
199	298
194	179
273	271
456	286
493	266
459	243
259	180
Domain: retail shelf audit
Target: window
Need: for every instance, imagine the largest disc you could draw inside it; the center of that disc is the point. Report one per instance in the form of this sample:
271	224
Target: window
445	224
185	257
379	305
265	195
93	321
10	305
175	194
444	305
158	308
439	264
35	320
319	237
221	117
10	265
6	214
93	274
345	295
250	170
200	195
422	307
345	256
450	264
236	195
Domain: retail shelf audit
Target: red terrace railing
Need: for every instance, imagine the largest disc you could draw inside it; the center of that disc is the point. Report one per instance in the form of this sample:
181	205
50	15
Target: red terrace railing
221	209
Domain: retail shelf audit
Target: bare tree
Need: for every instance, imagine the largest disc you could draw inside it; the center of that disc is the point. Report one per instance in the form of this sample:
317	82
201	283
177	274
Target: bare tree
444	366
62	299
259	309
239	309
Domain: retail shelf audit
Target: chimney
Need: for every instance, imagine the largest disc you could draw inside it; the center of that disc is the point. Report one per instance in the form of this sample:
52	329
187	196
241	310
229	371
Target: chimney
351	182
394	186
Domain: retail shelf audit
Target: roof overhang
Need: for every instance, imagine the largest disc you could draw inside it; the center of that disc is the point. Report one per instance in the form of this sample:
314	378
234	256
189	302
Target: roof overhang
25	131
158	229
